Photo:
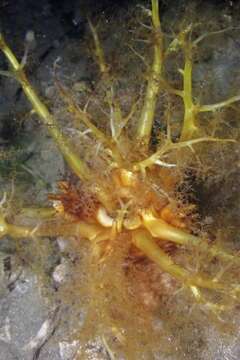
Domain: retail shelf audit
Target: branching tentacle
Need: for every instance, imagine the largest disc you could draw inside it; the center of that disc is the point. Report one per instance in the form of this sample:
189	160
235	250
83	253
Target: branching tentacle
160	229
75	163
144	241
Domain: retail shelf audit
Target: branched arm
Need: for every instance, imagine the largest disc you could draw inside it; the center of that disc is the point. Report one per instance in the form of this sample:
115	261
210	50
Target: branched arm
75	163
155	159
144	241
191	110
126	119
158	228
115	110
221	104
84	117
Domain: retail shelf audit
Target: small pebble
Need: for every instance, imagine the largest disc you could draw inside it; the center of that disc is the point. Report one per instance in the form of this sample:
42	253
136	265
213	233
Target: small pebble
60	273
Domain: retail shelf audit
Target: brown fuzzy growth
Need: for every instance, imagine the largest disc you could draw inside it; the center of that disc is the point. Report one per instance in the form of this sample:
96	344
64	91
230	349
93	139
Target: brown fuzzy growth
76	201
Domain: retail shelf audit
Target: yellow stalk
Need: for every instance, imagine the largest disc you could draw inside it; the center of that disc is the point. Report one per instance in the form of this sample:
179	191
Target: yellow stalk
214	107
53	228
39	213
190	110
13	230
98	50
145	124
75	163
158	228
144	241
